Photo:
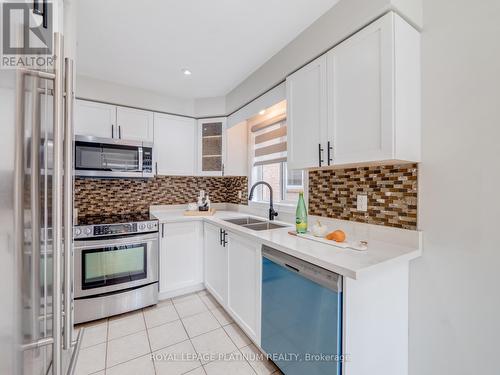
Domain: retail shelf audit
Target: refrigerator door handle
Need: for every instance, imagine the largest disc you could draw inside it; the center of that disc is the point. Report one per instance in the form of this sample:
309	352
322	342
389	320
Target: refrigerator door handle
19	188
76	351
57	204
68	204
35	210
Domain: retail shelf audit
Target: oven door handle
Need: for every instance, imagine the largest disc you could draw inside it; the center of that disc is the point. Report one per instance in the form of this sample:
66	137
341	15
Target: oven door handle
116	241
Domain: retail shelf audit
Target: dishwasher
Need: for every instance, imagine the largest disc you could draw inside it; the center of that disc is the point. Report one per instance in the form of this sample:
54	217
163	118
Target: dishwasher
301	315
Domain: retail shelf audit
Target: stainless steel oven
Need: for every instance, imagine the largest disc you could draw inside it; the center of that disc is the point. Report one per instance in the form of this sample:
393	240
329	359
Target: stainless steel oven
106	157
116	269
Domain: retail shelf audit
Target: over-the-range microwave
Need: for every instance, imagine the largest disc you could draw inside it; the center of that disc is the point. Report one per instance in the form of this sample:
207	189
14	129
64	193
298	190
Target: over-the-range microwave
106	157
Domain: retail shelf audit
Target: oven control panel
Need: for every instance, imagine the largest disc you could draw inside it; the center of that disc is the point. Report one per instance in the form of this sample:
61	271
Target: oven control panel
101	230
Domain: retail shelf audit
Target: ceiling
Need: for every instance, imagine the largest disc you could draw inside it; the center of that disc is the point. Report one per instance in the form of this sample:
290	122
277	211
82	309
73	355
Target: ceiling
147	43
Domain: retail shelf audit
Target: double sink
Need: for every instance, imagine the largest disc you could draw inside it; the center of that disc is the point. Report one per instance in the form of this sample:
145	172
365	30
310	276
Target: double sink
255	224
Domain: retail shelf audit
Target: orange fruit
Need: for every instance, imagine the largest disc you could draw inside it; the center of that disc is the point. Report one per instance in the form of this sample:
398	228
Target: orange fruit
338	236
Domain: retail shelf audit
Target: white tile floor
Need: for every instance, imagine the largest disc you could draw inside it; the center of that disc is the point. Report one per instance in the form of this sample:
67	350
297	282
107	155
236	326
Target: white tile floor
167	339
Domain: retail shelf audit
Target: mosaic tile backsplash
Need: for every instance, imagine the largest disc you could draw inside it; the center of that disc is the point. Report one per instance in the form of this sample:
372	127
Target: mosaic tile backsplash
120	196
391	191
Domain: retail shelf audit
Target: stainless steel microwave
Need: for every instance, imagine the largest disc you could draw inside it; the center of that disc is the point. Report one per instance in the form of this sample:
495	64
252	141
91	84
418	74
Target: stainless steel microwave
106	157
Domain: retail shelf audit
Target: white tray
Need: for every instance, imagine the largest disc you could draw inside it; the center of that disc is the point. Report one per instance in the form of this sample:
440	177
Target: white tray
344	245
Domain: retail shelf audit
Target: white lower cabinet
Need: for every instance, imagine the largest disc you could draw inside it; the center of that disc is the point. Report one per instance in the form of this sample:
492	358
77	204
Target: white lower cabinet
232	274
181	258
244	283
215	263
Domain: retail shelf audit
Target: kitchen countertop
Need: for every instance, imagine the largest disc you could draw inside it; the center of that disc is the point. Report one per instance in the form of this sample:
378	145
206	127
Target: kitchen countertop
347	262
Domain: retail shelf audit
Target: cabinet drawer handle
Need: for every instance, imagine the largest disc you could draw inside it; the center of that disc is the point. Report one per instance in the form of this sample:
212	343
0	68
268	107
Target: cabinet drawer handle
330	148
320	154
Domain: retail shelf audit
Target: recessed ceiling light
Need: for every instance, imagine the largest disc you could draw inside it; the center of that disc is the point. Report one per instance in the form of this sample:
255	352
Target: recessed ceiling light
186	72
262	111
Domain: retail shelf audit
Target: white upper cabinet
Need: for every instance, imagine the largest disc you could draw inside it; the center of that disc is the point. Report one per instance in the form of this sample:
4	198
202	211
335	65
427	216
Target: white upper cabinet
359	95
134	124
237	150
307	114
211	146
95	119
175	145
372	96
110	121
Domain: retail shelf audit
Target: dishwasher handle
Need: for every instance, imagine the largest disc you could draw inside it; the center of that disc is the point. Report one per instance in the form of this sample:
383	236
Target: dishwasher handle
292	267
319	275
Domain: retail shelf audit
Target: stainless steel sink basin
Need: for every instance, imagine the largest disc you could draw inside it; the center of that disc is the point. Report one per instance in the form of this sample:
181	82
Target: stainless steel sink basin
255	224
244	221
264	226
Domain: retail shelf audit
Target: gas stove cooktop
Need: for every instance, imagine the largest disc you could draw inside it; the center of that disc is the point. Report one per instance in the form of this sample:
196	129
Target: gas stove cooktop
107	225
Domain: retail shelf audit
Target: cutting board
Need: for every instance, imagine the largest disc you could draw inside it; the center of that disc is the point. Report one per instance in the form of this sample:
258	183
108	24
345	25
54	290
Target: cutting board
210	212
344	245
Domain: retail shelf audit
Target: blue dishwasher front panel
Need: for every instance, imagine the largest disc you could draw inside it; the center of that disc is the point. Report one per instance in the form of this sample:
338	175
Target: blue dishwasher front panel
301	321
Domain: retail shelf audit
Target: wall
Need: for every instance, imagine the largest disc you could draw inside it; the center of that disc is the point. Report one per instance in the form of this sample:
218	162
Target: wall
335	25
96	89
454	286
120	196
391	192
342	20
210	107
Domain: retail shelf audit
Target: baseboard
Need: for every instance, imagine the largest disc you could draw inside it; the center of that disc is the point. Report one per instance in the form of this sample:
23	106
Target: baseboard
181	291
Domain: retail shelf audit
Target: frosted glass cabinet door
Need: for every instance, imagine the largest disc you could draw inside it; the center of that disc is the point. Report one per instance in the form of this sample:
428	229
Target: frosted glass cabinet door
212	146
95	119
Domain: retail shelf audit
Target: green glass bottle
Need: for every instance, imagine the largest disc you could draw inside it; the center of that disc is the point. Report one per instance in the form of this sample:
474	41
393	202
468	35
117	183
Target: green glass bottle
301	215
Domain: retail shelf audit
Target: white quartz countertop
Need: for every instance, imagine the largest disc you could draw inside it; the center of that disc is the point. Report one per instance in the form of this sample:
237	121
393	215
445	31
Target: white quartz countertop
381	253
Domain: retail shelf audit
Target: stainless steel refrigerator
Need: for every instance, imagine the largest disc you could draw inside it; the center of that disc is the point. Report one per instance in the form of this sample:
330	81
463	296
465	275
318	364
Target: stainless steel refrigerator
36	244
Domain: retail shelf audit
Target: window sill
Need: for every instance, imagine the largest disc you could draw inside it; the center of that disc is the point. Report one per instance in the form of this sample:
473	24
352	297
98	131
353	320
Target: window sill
280	207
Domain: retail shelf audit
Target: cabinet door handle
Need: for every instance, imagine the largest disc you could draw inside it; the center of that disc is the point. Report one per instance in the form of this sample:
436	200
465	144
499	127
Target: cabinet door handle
112	131
220	236
119	131
320	154
163	230
156	167
222	169
329	149
224	242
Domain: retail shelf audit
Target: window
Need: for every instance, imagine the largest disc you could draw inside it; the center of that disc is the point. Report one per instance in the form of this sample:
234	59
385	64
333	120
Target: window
268	142
286	184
